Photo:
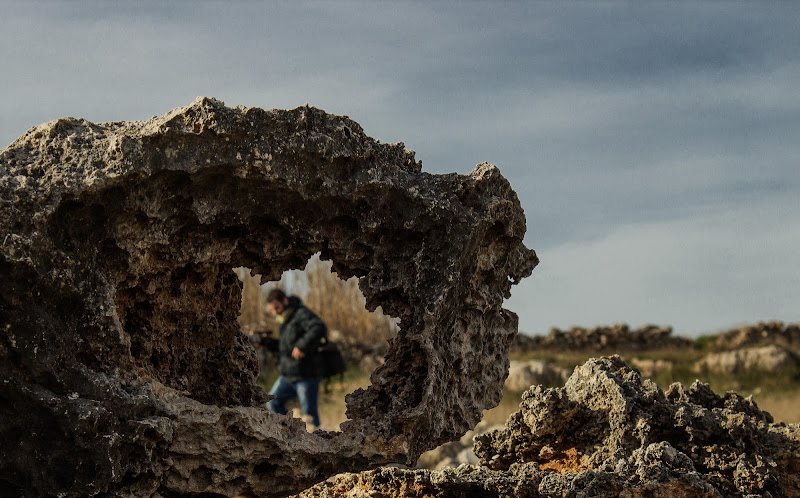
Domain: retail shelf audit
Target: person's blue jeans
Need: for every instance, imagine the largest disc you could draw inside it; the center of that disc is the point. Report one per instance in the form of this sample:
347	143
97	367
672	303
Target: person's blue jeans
306	391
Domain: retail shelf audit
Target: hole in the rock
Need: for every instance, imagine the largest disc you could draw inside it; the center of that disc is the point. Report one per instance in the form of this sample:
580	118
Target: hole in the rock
360	335
265	468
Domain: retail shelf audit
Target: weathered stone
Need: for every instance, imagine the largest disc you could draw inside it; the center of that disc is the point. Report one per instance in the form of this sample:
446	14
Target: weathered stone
649	367
123	369
608	419
608	432
765	358
454	453
463	481
756	334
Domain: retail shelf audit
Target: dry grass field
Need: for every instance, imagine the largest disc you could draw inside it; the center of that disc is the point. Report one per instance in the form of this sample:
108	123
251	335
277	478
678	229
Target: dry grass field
341	305
776	392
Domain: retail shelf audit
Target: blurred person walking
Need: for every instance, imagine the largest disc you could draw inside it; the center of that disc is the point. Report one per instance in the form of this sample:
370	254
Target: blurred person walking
299	367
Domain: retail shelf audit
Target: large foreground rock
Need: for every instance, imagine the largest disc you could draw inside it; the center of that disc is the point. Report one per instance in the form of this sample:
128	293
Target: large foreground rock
123	370
608	432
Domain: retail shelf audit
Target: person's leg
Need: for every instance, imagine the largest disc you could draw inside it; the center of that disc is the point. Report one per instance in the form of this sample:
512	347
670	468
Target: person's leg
283	392
308	394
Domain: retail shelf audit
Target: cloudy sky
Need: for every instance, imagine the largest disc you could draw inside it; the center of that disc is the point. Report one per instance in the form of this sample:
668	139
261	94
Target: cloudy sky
654	146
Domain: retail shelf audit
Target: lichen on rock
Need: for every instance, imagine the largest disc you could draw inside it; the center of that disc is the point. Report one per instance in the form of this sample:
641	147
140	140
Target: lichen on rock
123	369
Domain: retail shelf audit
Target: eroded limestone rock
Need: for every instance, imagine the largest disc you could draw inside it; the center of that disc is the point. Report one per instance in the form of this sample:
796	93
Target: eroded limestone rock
123	369
609	432
782	334
608	419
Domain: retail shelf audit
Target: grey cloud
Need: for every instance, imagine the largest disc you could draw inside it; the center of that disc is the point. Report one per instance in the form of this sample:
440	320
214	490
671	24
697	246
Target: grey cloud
608	118
699	273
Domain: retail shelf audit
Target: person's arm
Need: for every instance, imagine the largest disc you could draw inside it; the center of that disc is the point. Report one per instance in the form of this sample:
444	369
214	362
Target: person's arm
314	330
270	344
264	340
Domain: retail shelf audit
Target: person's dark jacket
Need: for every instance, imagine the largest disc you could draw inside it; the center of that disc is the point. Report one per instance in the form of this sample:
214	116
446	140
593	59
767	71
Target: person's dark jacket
305	331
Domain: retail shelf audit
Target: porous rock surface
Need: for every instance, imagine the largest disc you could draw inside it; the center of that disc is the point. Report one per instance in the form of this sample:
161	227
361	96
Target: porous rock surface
123	369
609	432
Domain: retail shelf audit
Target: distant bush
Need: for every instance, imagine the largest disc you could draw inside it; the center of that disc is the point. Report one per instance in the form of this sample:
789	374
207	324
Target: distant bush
702	342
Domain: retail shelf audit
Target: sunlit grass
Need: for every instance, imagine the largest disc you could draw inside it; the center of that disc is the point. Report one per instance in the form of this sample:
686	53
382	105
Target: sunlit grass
776	392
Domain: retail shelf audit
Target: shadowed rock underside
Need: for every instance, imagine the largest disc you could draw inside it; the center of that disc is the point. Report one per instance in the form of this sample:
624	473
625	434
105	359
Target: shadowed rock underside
123	369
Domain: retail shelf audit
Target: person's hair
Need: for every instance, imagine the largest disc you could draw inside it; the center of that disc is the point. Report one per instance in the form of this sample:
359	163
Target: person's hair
276	295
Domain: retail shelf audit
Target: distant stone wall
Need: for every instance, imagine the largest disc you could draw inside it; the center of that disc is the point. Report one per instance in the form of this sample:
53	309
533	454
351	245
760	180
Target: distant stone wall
757	334
621	338
615	338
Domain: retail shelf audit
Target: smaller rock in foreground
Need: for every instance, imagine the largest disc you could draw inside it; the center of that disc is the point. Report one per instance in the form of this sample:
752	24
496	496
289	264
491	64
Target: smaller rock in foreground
609	432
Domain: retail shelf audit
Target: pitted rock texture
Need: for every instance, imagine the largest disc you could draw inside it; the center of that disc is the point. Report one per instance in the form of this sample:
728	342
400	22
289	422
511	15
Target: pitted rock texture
608	420
123	369
609	432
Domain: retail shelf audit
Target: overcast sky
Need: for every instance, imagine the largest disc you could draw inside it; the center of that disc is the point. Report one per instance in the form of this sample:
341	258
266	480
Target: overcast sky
654	146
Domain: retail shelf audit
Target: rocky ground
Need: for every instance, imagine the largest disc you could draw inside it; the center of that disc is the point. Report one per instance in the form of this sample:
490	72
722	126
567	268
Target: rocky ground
610	432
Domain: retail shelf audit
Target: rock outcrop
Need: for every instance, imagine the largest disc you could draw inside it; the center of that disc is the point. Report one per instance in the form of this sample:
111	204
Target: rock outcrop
609	432
650	367
609	339
123	369
786	335
454	453
768	358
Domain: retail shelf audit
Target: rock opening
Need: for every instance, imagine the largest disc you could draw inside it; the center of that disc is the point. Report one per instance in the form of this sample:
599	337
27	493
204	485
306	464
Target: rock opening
122	360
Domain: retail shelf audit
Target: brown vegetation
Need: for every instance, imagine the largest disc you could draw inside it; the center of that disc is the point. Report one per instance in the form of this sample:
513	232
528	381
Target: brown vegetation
254	315
339	303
